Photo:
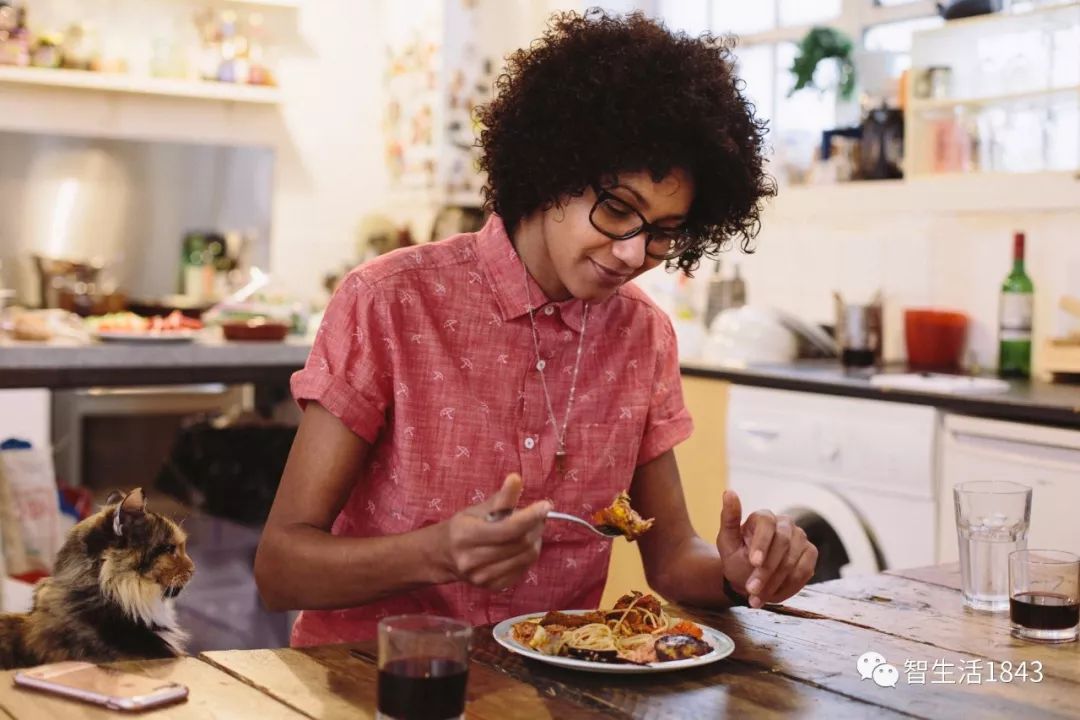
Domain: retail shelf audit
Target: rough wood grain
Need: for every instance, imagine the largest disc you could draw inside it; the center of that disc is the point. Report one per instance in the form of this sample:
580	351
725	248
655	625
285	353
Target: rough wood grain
946	575
793	660
935	615
725	689
822	652
329	683
212	694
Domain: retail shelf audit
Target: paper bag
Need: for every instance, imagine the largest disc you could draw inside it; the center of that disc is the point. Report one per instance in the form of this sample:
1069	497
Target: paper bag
30	523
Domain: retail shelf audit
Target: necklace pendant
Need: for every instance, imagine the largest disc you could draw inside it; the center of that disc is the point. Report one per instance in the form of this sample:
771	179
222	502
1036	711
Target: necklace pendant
560	460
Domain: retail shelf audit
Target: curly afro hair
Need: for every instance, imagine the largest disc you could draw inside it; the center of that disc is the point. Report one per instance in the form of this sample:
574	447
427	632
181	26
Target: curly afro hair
600	94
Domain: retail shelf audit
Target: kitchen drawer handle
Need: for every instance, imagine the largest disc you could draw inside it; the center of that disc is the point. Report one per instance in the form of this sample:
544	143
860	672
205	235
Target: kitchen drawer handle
978	445
762	431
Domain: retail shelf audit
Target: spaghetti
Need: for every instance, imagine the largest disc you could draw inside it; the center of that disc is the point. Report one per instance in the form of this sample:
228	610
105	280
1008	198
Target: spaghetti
636	630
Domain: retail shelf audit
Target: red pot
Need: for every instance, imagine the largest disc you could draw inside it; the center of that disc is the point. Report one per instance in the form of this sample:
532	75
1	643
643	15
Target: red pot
935	339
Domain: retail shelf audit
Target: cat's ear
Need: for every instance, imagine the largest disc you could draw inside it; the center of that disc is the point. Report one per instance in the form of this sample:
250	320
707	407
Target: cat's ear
132	508
114	497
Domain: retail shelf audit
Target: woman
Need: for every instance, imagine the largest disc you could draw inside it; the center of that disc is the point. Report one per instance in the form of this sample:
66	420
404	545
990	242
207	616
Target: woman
523	352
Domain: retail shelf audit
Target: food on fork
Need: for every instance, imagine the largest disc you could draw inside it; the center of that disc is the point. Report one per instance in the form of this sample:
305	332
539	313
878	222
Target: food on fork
637	630
623	518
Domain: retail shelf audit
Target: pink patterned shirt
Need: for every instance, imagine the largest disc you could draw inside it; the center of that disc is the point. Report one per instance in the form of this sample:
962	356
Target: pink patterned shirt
427	353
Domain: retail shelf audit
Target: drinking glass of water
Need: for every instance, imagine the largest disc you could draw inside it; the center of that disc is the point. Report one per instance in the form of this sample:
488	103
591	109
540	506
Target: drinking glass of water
1044	595
992	518
423	667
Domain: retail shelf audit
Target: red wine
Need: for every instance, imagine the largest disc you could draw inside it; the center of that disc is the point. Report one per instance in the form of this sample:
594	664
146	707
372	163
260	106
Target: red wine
422	688
1044	611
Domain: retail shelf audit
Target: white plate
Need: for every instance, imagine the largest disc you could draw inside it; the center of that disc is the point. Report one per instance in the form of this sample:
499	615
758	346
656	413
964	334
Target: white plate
172	336
722	647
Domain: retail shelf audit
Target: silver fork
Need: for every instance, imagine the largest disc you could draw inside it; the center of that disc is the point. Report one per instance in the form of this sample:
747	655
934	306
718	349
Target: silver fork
605	531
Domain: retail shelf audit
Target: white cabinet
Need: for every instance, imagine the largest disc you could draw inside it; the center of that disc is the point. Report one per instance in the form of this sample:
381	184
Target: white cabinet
860	473
1047	459
24	414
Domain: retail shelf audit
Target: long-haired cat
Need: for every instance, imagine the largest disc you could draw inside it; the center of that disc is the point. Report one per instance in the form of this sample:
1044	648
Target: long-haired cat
110	594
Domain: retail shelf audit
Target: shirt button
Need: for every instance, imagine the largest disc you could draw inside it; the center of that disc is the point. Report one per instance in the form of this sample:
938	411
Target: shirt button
549	310
530	443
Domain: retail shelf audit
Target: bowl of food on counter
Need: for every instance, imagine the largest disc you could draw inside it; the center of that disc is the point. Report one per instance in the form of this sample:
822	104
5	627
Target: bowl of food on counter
129	327
255	328
259	318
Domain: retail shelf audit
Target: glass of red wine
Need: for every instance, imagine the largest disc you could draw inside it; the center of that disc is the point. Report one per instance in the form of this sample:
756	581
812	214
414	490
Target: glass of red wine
1044	595
423	667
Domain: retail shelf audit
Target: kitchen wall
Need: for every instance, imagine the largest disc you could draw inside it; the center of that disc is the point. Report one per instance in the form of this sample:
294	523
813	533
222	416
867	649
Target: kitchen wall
330	173
128	203
325	133
917	259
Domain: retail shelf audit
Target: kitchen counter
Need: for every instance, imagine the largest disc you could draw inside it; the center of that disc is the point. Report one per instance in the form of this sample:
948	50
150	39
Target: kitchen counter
1025	401
54	366
797	659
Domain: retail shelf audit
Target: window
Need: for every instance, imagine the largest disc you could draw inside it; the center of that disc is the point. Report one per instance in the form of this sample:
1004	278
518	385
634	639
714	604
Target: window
741	17
691	16
896	36
805	12
755	67
769	31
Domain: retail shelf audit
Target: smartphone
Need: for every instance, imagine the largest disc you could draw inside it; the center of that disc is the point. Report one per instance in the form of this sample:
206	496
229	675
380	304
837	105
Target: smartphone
101	686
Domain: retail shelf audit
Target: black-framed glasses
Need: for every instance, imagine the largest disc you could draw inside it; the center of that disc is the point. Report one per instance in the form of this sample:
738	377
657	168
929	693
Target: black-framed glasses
619	220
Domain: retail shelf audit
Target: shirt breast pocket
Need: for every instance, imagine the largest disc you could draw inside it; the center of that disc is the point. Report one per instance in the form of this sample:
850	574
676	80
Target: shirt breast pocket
600	463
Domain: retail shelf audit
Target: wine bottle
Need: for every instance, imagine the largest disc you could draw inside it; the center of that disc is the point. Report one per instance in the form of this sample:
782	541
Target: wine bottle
1014	318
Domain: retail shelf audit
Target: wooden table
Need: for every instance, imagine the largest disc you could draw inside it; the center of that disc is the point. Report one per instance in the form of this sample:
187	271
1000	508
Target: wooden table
795	660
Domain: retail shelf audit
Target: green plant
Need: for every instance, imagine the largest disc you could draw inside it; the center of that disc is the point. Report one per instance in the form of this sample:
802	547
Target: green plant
823	43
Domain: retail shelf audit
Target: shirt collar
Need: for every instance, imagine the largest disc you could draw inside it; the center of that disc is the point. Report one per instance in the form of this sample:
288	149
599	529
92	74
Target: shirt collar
507	277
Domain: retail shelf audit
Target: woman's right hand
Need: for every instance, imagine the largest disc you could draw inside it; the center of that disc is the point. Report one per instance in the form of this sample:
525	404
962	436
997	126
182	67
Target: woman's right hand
495	555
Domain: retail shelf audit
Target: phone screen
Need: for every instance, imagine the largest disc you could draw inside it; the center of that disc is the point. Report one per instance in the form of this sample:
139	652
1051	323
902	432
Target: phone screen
102	685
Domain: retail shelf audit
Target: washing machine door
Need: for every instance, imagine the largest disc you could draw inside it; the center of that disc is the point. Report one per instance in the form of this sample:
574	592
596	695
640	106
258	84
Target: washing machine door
845	544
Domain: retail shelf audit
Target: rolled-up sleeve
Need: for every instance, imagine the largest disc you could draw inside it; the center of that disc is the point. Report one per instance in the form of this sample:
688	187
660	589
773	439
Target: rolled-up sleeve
668	422
350	369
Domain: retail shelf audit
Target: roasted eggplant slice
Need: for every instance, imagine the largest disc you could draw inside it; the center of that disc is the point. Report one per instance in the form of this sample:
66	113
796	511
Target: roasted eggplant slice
604	656
680	647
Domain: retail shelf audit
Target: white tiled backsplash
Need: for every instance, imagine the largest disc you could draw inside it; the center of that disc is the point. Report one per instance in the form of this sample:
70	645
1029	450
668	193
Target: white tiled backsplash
955	261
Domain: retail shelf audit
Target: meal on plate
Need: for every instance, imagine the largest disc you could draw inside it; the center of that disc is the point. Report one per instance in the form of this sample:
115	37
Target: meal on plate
636	630
623	518
128	322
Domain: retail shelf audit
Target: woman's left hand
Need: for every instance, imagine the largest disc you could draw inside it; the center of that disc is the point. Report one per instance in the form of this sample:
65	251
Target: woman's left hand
767	558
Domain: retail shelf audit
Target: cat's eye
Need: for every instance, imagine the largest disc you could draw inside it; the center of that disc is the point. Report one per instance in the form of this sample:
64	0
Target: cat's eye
168	549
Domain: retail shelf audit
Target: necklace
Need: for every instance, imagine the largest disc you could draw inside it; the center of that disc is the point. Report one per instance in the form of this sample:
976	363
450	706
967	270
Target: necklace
560	451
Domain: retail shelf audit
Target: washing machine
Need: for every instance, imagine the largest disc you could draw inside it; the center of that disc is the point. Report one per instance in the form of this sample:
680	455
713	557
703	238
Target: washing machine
857	474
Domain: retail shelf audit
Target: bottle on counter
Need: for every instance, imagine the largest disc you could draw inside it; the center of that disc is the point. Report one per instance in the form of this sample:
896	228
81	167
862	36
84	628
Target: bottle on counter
1015	317
738	289
723	293
714	296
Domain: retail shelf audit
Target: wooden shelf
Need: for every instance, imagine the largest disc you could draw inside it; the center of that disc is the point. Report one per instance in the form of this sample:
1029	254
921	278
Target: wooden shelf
952	193
1047	95
290	4
135	85
268	4
977	23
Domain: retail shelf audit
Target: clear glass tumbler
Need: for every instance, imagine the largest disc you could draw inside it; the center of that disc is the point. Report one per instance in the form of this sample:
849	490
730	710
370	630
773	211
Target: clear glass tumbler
992	518
1044	595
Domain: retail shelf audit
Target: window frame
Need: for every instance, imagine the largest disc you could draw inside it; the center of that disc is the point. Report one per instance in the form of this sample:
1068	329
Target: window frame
855	17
